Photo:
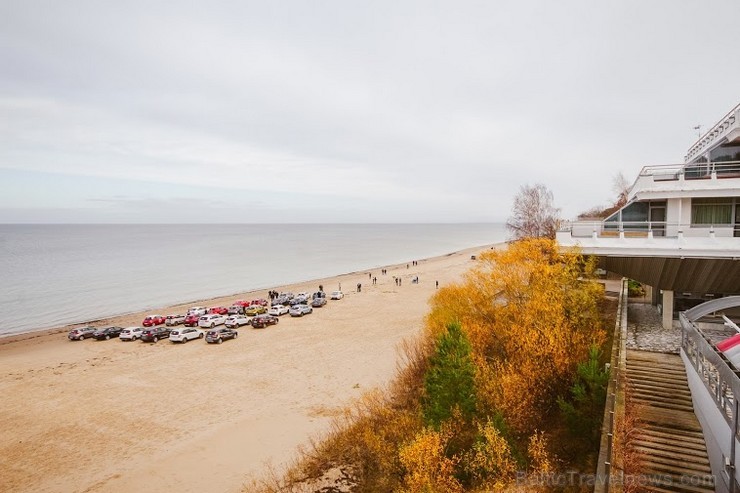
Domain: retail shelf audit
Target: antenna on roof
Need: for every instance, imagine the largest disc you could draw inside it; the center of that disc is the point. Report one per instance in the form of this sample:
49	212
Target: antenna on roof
698	130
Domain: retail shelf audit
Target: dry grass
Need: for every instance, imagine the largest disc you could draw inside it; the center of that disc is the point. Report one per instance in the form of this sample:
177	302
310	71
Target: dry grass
625	434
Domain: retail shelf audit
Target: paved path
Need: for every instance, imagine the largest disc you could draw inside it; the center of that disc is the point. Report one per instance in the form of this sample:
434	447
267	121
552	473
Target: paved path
645	330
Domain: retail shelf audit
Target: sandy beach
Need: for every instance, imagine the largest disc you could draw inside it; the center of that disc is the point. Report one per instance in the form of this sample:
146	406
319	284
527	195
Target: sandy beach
113	416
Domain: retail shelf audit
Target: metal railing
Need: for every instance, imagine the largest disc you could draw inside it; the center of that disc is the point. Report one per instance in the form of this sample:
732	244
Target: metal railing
609	470
695	171
720	378
647	229
719	130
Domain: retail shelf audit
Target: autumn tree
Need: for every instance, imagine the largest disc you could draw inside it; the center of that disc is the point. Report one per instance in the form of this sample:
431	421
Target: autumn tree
621	187
477	400
533	214
427	469
530	319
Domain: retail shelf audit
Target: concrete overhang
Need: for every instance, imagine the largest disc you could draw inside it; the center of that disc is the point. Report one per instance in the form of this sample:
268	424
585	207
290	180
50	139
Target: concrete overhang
734	136
696	265
694	275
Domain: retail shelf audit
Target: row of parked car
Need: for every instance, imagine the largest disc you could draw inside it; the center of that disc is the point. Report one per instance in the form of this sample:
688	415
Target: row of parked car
255	313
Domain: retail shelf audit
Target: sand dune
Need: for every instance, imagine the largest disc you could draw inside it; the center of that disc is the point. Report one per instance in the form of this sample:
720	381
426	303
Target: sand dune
112	416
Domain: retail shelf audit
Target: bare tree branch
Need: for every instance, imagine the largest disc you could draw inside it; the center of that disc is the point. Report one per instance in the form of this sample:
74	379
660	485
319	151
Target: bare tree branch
534	215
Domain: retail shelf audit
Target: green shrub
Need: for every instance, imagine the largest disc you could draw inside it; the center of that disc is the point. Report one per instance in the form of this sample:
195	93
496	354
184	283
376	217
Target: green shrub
584	410
635	289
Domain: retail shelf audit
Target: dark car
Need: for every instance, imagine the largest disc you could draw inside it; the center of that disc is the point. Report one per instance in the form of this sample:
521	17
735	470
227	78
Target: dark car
156	333
298	300
191	320
219	335
107	333
81	333
262	321
318	302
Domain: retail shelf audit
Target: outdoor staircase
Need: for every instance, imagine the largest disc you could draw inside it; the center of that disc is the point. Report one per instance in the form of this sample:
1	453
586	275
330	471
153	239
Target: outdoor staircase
668	440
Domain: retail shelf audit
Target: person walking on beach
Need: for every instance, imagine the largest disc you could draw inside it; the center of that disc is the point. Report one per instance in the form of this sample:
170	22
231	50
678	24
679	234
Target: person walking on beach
436	284
359	287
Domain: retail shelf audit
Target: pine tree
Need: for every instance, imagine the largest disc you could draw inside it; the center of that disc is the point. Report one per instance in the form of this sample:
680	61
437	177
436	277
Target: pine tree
450	380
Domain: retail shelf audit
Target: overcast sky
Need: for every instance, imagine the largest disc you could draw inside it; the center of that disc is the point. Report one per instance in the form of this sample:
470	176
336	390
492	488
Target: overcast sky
347	111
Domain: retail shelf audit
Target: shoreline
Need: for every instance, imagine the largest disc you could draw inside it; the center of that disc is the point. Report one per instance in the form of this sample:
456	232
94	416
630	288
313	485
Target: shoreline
204	417
216	300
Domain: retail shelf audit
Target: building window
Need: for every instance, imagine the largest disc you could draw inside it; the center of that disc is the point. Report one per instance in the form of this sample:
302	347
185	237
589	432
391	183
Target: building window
711	211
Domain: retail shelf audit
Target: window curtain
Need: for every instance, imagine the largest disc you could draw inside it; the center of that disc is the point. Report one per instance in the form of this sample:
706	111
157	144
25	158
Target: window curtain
711	211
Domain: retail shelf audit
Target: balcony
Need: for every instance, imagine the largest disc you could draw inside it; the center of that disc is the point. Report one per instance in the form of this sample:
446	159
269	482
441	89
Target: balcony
645	229
666	181
728	128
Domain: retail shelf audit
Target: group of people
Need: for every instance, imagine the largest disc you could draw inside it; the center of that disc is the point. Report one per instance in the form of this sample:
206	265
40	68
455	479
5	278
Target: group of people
397	280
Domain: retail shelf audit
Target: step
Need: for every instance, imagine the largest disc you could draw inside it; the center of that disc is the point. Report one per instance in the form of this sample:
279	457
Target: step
653	449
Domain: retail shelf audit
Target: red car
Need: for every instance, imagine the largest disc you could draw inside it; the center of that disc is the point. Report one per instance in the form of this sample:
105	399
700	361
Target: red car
259	302
241	303
153	320
191	320
221	310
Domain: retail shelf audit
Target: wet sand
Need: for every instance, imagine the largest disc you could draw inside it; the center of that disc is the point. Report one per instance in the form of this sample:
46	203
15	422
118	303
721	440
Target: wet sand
114	416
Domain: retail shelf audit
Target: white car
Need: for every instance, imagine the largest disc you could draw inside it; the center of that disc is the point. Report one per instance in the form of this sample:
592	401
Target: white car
336	295
237	321
277	310
131	333
198	310
186	334
174	320
212	320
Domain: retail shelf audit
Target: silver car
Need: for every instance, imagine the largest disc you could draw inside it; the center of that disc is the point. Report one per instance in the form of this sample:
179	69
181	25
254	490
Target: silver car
300	310
173	320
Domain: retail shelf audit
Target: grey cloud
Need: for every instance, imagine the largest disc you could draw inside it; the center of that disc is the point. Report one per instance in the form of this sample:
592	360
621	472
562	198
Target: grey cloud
411	101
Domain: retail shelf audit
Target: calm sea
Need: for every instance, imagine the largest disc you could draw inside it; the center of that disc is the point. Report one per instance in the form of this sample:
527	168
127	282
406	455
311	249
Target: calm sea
53	275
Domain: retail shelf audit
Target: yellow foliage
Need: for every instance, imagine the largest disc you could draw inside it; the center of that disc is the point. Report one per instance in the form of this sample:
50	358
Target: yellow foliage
428	469
490	461
540	460
530	319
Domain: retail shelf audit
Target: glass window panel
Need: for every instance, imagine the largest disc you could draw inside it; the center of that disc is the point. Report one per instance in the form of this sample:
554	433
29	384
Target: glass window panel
712	211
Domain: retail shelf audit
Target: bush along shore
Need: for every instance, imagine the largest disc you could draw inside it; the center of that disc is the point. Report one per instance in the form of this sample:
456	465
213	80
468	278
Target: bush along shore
505	384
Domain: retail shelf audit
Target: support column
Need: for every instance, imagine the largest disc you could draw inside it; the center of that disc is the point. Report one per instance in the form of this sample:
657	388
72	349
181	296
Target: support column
648	293
667	309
